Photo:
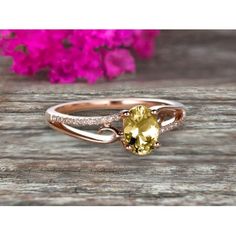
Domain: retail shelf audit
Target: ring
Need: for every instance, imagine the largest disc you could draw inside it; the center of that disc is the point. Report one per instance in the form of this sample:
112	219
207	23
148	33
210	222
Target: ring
142	121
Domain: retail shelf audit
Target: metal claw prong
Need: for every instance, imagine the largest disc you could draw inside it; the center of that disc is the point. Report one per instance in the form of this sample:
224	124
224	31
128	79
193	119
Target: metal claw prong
157	145
154	112
128	147
125	113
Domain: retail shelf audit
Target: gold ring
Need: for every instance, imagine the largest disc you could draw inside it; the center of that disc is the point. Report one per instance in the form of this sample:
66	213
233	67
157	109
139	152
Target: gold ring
143	121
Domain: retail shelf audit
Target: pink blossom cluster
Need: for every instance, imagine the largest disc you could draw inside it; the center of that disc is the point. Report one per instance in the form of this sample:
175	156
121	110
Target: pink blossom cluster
70	54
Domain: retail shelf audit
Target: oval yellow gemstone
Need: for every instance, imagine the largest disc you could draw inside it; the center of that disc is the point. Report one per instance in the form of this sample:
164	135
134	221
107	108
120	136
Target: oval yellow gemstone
141	130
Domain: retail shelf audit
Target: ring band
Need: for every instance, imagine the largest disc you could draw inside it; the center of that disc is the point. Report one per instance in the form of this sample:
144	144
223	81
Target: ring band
143	121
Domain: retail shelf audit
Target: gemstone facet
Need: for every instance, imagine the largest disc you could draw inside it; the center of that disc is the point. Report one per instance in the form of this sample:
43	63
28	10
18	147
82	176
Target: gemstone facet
141	130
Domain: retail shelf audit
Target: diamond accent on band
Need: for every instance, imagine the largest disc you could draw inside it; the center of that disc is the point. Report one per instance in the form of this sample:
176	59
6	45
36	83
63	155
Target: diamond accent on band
100	120
83	121
171	126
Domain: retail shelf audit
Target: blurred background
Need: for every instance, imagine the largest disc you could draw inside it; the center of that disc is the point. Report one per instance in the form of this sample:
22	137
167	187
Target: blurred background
191	57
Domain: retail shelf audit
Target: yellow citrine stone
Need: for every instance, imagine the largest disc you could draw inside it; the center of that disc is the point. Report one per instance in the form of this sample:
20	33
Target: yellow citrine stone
141	130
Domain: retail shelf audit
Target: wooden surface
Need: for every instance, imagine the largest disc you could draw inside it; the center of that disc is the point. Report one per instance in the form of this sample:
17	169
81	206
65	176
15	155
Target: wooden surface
196	164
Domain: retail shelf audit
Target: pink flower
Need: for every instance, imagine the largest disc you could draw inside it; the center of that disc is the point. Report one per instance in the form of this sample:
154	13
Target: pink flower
67	55
144	43
118	62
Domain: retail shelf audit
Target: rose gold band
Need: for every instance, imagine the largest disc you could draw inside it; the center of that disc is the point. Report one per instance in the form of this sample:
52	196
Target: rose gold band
170	114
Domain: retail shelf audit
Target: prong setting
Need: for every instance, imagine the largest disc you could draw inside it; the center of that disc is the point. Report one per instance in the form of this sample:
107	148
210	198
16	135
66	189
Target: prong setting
128	148
154	112
124	114
157	145
141	130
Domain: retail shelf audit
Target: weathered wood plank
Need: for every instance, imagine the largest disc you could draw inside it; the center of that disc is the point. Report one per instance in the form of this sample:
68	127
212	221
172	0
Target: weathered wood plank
196	164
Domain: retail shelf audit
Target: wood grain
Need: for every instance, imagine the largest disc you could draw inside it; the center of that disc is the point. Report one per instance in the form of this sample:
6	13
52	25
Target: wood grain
196	164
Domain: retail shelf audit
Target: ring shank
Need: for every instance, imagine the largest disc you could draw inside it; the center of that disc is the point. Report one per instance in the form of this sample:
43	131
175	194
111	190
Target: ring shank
101	104
59	117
